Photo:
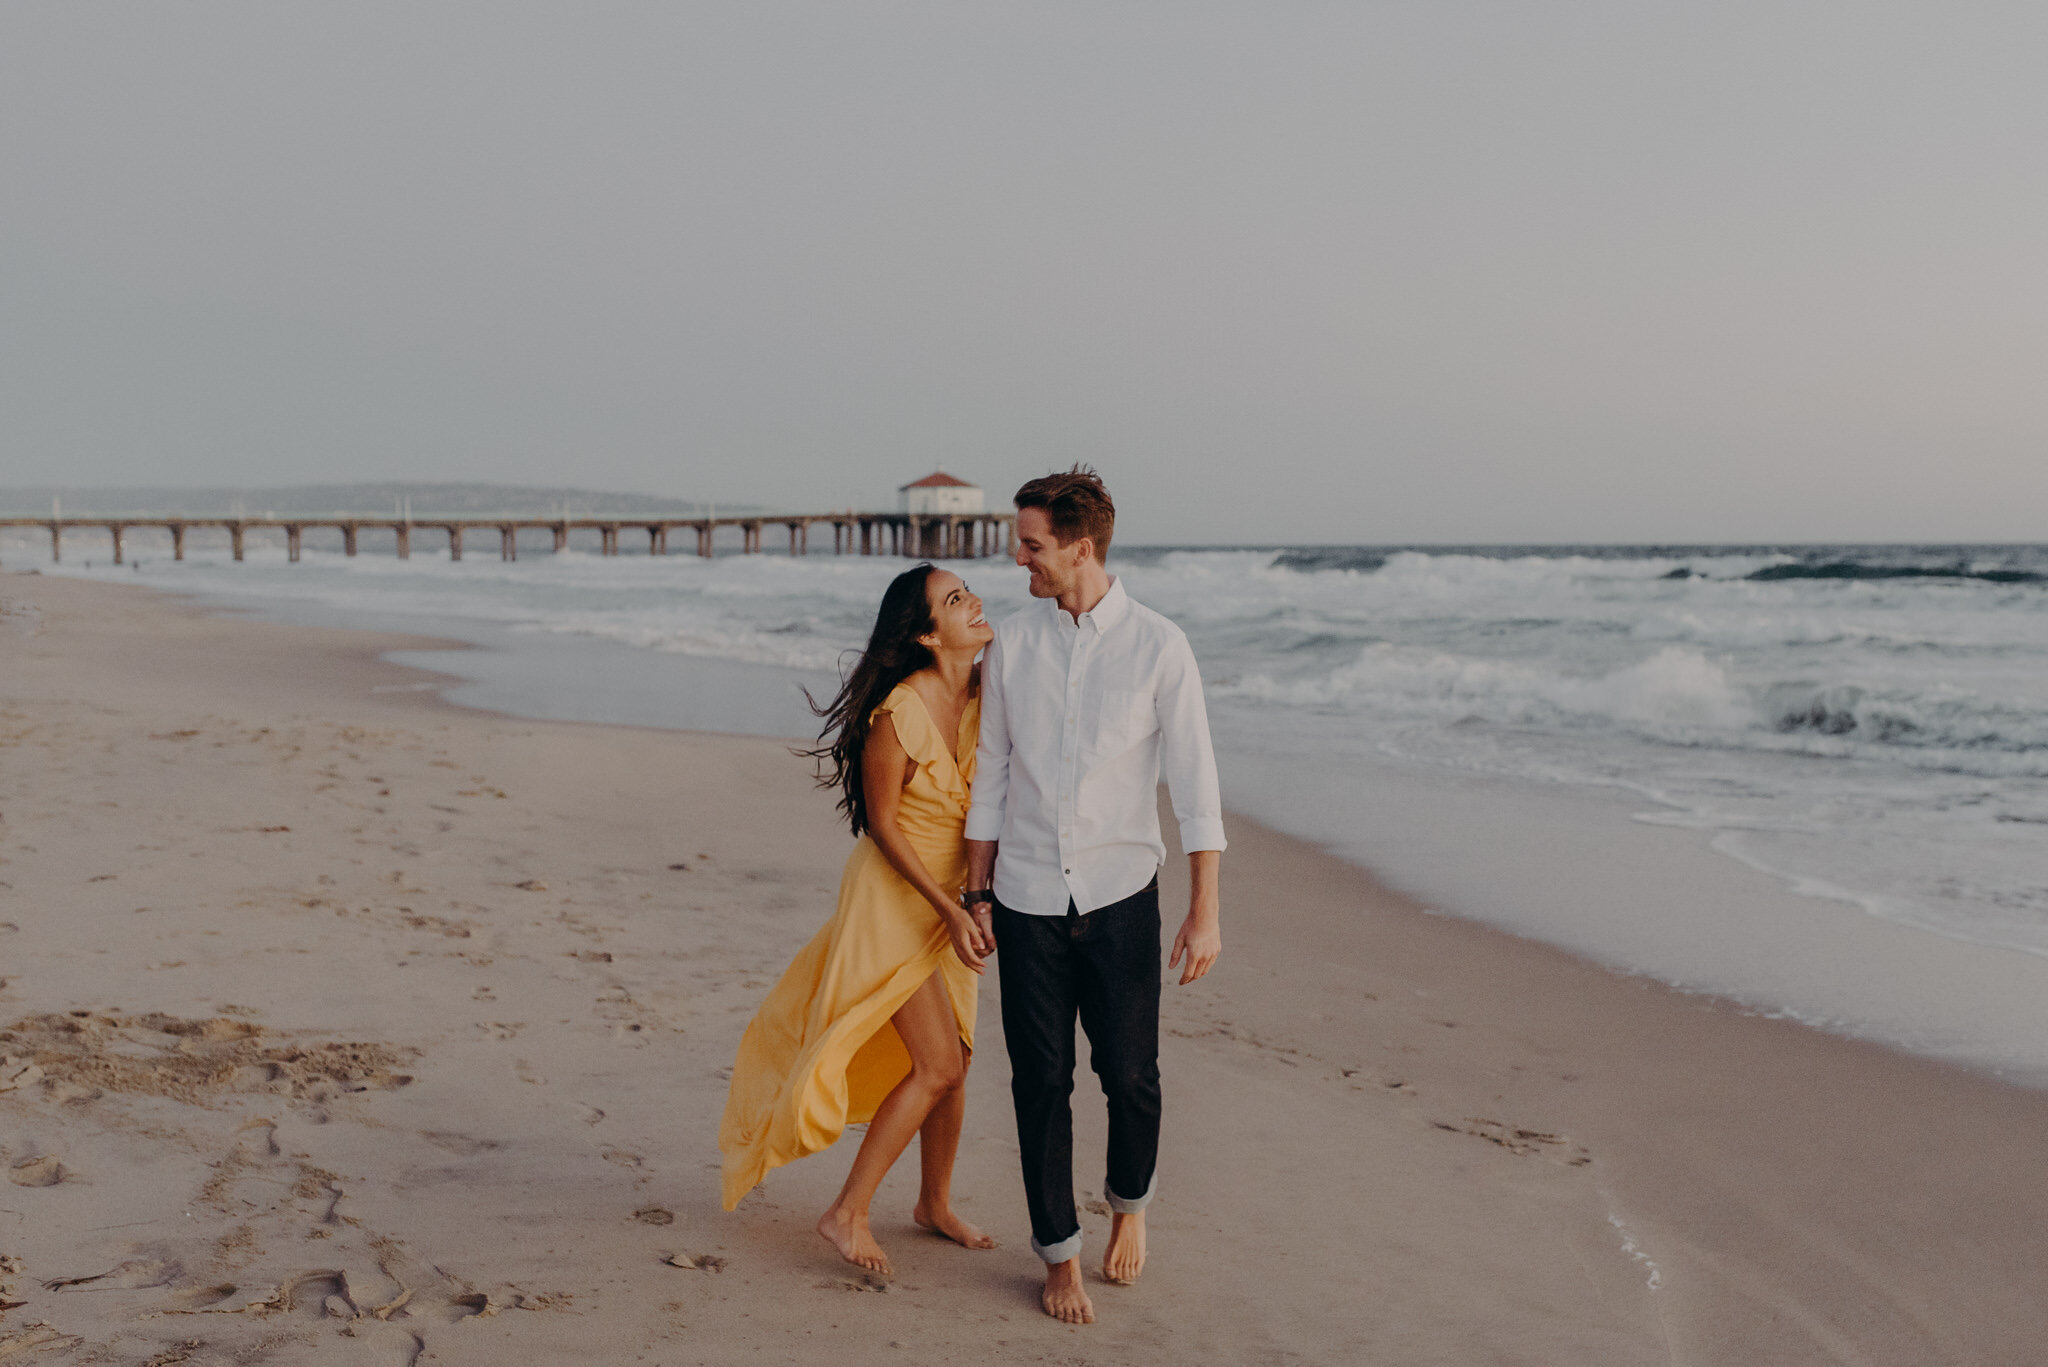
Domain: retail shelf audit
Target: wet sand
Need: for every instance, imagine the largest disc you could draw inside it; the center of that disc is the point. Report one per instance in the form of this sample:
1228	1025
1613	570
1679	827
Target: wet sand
345	1025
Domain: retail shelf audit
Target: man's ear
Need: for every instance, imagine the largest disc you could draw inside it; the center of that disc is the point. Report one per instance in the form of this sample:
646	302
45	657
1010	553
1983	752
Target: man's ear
1089	542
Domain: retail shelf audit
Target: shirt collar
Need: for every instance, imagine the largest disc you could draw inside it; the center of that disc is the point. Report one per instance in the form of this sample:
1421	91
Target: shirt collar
1114	607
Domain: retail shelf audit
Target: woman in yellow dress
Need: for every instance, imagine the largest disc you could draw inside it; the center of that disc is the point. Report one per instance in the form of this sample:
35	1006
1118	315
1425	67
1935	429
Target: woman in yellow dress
874	1021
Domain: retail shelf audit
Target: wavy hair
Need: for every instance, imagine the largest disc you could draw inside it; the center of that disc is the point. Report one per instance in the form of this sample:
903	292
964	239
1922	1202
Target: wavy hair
893	654
1076	503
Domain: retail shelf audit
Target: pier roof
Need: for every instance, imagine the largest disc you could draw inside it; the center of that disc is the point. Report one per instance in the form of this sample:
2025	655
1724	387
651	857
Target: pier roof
938	479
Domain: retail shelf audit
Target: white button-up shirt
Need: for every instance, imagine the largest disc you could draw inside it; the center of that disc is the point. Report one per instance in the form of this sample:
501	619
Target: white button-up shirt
1078	720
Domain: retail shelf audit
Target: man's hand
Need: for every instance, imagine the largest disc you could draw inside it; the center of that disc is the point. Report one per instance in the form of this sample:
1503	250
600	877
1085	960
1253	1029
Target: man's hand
1200	940
1201	935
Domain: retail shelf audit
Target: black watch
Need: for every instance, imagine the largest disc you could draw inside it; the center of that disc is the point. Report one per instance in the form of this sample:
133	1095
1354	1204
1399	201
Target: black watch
970	899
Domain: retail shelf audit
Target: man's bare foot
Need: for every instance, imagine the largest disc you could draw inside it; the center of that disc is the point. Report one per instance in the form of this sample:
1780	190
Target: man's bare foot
1124	1259
1063	1298
849	1233
951	1226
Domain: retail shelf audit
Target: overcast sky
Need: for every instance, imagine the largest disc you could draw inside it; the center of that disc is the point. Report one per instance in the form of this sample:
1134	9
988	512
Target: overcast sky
1300	272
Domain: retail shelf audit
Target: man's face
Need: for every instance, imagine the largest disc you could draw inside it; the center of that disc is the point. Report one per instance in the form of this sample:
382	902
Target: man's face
1054	568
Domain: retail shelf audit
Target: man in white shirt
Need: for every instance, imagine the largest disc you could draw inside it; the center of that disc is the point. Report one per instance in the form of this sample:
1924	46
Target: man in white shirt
1086	697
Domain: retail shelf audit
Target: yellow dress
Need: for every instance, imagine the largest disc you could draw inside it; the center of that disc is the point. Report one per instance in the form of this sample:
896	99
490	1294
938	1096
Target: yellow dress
821	1053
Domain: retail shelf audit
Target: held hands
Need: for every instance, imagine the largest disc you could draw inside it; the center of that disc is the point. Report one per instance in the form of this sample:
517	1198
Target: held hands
1201	940
972	931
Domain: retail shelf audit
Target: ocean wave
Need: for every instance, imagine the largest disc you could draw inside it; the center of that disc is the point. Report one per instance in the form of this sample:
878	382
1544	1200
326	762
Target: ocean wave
1675	696
1674	687
1313	558
1950	721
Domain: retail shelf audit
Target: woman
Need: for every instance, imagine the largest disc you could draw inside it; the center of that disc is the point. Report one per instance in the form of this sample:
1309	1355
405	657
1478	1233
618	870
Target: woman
875	1020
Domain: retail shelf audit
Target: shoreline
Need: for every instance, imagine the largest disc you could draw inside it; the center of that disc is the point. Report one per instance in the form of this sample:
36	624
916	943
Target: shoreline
1525	1155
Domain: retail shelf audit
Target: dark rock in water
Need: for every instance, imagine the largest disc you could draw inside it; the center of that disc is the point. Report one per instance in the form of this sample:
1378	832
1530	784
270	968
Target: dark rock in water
1850	569
1682	572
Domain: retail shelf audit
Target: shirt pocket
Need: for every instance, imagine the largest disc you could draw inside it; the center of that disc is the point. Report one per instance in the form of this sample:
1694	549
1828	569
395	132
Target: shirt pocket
1123	718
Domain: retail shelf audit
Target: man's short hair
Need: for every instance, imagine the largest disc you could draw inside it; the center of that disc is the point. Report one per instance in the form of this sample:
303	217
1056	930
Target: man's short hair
1076	504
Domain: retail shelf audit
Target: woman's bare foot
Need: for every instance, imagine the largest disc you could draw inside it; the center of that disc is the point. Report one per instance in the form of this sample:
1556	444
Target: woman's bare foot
1124	1259
849	1233
951	1226
1064	1298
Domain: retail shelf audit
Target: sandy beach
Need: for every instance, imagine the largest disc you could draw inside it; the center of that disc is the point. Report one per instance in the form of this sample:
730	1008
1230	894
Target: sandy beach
341	1024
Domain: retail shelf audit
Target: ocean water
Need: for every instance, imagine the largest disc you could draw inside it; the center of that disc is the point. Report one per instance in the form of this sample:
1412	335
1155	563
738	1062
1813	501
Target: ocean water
1868	725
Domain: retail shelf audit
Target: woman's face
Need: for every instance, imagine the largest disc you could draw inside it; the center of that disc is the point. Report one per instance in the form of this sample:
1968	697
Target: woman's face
957	621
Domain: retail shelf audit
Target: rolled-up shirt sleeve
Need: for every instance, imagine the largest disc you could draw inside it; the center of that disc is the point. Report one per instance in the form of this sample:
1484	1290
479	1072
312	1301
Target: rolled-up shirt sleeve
1186	759
991	752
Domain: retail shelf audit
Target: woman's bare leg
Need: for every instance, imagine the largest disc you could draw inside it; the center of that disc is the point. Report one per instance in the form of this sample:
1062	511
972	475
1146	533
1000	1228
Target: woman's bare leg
929	1032
937	1144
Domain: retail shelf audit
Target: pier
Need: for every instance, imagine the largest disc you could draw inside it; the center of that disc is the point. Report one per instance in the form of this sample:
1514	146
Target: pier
922	536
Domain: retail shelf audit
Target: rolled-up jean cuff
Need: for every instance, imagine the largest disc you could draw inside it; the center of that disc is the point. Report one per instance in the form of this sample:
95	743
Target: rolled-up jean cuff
1135	1204
1066	1250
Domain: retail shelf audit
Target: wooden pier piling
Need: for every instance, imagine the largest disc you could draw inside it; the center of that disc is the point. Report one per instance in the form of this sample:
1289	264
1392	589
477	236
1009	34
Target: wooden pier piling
918	535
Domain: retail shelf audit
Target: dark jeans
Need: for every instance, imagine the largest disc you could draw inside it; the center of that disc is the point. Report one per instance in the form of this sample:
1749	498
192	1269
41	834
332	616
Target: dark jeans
1103	966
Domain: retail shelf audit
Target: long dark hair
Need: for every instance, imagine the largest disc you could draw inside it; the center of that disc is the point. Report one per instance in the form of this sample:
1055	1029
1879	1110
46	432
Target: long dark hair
893	655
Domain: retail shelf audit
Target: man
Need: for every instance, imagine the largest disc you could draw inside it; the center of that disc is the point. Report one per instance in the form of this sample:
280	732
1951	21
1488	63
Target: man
1086	696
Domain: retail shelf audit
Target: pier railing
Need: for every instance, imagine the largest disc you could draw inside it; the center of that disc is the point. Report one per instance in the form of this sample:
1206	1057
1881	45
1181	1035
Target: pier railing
927	536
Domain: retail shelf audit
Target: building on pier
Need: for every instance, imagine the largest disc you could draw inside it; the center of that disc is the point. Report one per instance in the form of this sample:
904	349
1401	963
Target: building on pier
940	493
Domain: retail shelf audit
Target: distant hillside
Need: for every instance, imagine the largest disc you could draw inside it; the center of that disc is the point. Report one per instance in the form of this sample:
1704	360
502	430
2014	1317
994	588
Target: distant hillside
377	499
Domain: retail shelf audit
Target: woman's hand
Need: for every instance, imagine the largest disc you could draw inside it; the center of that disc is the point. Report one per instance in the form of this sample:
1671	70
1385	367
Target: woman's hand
972	940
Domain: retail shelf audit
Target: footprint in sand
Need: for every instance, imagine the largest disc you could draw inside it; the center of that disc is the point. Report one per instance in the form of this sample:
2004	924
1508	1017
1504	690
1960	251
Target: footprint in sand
45	1171
194	1297
463	1145
624	1158
38	1339
1519	1141
389	1345
16	1073
134	1275
258	1139
867	1283
696	1262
